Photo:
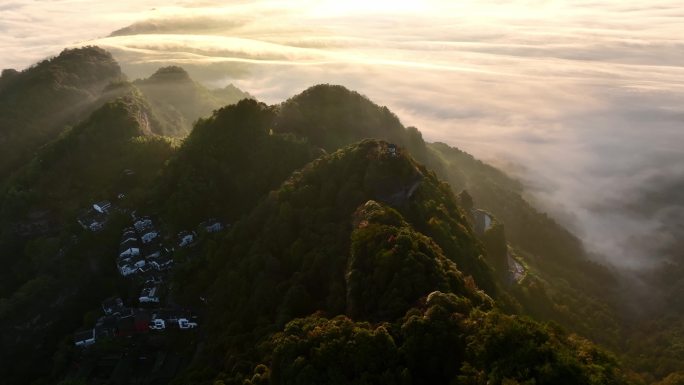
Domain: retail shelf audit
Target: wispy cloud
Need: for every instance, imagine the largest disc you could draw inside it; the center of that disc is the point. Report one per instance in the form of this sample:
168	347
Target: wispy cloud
584	96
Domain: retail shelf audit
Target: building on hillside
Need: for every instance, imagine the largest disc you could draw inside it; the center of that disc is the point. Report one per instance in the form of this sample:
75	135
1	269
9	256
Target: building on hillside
149	236
128	232
151	250
185	324
102	207
143	224
172	316
149	295
211	226
482	221
130	266
157	324
186	238
146	268
93	220
161	263
127	238
392	149
129	248
106	327
153	280
112	306
84	338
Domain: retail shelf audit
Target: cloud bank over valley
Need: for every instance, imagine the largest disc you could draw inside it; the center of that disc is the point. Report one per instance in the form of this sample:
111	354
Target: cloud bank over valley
581	100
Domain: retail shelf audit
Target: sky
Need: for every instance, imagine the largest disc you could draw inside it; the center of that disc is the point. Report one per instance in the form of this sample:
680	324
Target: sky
582	100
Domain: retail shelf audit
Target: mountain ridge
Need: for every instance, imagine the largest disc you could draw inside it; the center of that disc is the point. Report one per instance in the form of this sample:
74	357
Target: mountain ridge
332	240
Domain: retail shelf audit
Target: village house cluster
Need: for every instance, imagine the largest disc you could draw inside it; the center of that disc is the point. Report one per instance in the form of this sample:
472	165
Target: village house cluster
96	217
145	257
141	250
121	321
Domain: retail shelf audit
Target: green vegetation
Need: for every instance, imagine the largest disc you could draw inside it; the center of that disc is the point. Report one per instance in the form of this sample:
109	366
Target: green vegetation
87	163
323	245
566	288
228	163
179	101
50	281
390	265
36	104
348	259
442	341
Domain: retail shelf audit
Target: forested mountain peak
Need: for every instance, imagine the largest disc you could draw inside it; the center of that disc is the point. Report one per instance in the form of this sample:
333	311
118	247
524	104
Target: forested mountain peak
384	172
227	163
77	67
87	160
332	116
36	103
330	240
179	100
123	118
362	268
170	73
323	200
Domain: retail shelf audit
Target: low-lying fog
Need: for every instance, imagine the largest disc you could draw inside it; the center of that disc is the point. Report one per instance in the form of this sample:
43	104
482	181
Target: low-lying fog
583	101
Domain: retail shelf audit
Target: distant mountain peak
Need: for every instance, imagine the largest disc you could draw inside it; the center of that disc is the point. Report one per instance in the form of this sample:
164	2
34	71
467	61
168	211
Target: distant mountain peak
170	73
123	118
332	116
86	51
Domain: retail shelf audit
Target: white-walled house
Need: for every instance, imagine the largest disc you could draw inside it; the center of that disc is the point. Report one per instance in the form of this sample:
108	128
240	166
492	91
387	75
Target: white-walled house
151	251
212	226
129	248
161	263
84	338
143	224
102	207
149	236
93	220
149	295
185	238
128	238
129	232
184	324
126	269
157	324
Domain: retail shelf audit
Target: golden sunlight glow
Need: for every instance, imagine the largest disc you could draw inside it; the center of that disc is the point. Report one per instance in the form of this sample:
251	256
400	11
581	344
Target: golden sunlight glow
331	8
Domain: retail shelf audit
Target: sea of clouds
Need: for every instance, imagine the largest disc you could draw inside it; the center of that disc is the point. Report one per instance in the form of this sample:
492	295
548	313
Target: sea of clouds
582	100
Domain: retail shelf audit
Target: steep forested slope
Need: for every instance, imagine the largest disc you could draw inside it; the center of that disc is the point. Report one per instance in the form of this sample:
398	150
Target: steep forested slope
36	103
87	163
566	287
348	260
52	280
179	101
371	249
227	164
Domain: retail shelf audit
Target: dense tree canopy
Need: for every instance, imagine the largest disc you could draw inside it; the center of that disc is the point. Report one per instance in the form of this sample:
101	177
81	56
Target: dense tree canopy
348	260
441	341
180	101
36	104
